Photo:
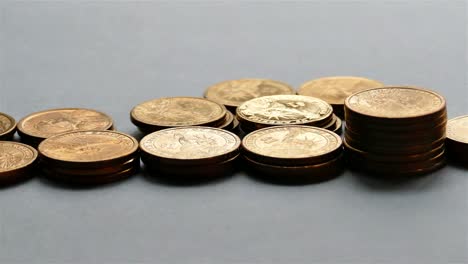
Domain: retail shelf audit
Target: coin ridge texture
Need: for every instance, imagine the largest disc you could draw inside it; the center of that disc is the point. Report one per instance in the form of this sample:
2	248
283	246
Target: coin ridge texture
395	102
55	120
285	110
178	111
292	142
14	156
457	129
336	89
233	93
88	146
190	143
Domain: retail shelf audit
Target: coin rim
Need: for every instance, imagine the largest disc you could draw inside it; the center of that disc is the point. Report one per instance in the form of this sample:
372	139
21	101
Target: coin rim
30	163
12	128
448	130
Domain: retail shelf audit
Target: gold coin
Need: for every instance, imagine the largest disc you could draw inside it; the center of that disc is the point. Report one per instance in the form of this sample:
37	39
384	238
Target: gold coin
41	125
7	127
235	92
457	130
334	90
191	145
176	112
228	121
285	110
96	180
15	160
395	103
338	126
88	148
292	145
95	172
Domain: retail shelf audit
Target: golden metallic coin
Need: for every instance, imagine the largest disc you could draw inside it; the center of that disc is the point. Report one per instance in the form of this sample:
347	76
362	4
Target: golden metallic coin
90	180
235	92
334	90
457	130
292	145
338	128
176	112
15	160
94	172
228	121
7	127
395	103
88	148
41	125
191	145
285	110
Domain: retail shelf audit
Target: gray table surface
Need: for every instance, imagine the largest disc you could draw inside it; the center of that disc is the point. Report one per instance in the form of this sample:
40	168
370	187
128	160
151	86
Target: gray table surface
114	55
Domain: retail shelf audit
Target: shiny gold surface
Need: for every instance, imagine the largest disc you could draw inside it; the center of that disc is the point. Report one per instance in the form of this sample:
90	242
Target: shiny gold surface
335	90
284	110
235	92
178	111
457	129
56	121
7	126
14	156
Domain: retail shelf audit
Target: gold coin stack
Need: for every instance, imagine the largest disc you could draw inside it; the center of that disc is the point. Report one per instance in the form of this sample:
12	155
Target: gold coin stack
7	127
334	90
191	153
89	157
233	93
294	154
395	131
16	162
280	110
36	127
457	139
173	112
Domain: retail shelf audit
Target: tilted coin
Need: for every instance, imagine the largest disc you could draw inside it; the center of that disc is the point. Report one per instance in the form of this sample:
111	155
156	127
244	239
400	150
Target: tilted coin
88	148
235	92
292	145
190	145
334	90
7	127
228	121
285	110
395	103
176	112
15	160
338	126
457	130
41	125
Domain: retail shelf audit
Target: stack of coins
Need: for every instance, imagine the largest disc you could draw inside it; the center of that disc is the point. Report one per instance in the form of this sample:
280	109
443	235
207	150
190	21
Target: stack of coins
233	93
36	127
334	90
89	157
457	139
174	112
396	131
7	127
16	162
190	152
294	154
278	110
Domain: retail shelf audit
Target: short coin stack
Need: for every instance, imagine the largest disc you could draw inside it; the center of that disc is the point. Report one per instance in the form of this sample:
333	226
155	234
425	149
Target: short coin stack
192	153
233	93
278	110
173	112
89	157
294	154
16	162
7	127
36	127
395	131
457	139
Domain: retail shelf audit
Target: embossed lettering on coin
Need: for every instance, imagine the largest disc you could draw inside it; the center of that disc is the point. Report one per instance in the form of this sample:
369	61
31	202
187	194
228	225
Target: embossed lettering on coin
190	143
285	110
457	129
235	92
15	155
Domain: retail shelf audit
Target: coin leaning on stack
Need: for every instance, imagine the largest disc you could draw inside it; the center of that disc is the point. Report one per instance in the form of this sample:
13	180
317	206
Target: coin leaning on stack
457	140
395	131
294	154
280	110
7	127
190	152
173	112
16	162
36	127
89	157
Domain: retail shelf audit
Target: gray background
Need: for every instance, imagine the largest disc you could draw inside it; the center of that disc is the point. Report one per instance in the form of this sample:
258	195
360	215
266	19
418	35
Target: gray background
113	55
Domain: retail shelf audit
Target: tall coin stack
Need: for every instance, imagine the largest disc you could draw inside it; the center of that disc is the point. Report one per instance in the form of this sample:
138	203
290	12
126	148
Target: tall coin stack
395	131
294	154
457	140
280	110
